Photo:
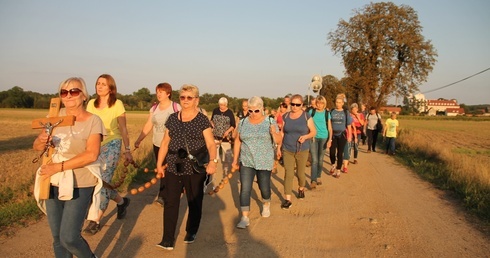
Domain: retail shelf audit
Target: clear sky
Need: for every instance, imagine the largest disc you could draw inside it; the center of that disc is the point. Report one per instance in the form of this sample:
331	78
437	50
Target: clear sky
240	48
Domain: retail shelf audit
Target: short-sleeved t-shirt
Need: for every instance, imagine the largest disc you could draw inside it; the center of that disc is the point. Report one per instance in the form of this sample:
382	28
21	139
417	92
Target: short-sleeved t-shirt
293	129
338	121
320	123
109	117
192	131
70	141
158	119
256	149
372	120
391	125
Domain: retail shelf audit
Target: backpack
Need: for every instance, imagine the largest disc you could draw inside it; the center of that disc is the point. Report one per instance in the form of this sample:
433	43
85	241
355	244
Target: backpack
379	125
174	106
313	111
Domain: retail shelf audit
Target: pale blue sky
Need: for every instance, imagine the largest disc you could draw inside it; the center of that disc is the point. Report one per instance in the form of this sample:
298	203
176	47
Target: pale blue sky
240	48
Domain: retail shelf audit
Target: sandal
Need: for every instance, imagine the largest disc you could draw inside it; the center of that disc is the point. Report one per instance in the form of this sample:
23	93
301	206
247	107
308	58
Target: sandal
332	170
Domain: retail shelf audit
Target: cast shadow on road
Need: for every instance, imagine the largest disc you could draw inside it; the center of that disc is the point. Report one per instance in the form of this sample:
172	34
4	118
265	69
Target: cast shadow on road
125	245
216	239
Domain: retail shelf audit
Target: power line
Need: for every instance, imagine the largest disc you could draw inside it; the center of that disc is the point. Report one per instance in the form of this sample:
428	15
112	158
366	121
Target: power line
445	86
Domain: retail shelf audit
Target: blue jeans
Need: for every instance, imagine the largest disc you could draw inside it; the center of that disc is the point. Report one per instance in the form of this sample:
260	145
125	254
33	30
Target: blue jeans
247	175
317	152
390	145
66	219
355	145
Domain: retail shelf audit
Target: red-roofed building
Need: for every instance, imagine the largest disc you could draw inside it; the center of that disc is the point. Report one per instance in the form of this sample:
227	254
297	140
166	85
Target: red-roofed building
454	111
433	106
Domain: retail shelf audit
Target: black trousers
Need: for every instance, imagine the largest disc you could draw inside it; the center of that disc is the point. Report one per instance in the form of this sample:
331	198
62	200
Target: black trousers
337	149
193	186
372	137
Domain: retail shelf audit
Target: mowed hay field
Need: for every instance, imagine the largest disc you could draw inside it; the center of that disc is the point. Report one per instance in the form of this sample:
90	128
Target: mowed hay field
454	154
458	148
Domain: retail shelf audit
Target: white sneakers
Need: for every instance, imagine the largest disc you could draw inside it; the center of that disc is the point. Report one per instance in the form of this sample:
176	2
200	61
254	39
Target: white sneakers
266	210
244	222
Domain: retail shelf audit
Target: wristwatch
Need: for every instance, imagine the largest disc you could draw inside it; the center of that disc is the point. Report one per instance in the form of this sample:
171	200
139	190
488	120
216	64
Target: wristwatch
215	160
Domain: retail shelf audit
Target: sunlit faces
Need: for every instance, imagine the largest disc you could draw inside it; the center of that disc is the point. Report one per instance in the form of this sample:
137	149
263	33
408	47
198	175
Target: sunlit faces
162	94
339	102
72	94
186	98
102	87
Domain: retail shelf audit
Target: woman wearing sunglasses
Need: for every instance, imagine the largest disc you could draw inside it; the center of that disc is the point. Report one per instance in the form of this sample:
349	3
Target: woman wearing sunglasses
188	132
113	114
298	130
74	172
254	149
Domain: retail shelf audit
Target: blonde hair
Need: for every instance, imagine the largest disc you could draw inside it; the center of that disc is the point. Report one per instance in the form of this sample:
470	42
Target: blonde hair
321	99
65	83
190	87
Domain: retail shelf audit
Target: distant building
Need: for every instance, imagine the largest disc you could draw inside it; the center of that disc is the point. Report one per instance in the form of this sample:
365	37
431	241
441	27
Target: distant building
434	107
454	111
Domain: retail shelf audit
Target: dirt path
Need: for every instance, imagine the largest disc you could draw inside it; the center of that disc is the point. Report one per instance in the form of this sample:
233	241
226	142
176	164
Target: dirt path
379	209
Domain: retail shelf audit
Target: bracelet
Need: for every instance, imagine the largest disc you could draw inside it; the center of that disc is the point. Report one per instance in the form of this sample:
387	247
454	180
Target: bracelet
62	166
128	148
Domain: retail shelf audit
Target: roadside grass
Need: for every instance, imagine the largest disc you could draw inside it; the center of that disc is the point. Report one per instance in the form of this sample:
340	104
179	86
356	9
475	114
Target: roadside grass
454	160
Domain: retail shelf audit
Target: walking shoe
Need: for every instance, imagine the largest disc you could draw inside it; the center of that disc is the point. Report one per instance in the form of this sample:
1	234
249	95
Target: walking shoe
332	170
319	182
286	204
167	245
92	228
301	194
355	161
369	151
344	170
159	201
189	238
266	210
337	174
121	209
313	185
244	222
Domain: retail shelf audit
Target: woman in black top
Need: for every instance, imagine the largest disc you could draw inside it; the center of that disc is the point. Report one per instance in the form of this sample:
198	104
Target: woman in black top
188	130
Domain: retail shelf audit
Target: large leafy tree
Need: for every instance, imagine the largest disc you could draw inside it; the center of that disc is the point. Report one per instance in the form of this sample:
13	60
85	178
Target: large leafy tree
383	51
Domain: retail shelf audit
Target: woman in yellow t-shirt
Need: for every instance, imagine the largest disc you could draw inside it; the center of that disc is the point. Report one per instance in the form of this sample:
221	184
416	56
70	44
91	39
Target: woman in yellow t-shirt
112	113
389	132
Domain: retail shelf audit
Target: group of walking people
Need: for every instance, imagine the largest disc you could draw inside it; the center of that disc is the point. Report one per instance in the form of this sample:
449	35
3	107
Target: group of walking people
86	154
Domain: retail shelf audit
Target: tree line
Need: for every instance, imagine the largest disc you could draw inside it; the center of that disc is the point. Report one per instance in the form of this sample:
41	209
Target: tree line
140	100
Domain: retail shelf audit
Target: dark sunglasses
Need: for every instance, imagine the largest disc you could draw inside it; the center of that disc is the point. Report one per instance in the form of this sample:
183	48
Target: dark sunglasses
73	92
296	104
253	111
188	97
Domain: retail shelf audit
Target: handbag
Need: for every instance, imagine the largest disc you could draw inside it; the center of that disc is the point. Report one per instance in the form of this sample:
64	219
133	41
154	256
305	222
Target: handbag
200	159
